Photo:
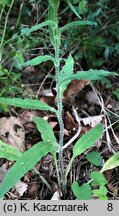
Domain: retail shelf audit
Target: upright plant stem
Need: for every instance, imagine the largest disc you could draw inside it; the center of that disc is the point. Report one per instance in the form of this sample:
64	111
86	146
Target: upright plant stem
59	106
55	41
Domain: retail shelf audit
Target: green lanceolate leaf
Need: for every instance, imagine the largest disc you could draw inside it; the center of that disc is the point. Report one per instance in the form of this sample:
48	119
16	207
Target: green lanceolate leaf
67	71
93	74
75	24
46	131
98	179
94	158
111	163
83	75
47	134
83	192
53	8
25	163
38	60
73	9
84	143
9	152
53	16
27	31
27	104
87	140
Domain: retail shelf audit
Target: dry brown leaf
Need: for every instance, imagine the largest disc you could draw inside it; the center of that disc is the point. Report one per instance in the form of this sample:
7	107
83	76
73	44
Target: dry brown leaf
66	132
27	116
74	87
27	120
32	191
20	188
69	122
50	100
12	132
3	172
92	120
53	124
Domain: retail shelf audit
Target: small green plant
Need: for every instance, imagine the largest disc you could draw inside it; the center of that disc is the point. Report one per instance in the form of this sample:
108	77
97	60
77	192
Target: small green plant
49	144
85	191
96	186
94	158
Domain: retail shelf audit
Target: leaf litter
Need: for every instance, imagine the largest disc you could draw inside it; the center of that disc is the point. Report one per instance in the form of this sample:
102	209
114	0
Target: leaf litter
12	132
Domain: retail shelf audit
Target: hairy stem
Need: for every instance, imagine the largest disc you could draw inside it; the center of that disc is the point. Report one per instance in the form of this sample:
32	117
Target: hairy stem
59	106
57	168
55	41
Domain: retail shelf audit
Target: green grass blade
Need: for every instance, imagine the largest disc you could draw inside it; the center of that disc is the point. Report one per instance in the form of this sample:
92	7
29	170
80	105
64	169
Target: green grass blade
75	24
111	163
87	140
27	104
73	9
27	31
9	152
25	163
38	60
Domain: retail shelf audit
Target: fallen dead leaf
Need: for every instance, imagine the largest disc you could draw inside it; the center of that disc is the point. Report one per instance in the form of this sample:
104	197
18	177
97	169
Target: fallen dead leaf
74	87
92	120
66	132
27	116
53	124
3	172
50	100
32	189
51	119
27	120
69	122
20	188
12	132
